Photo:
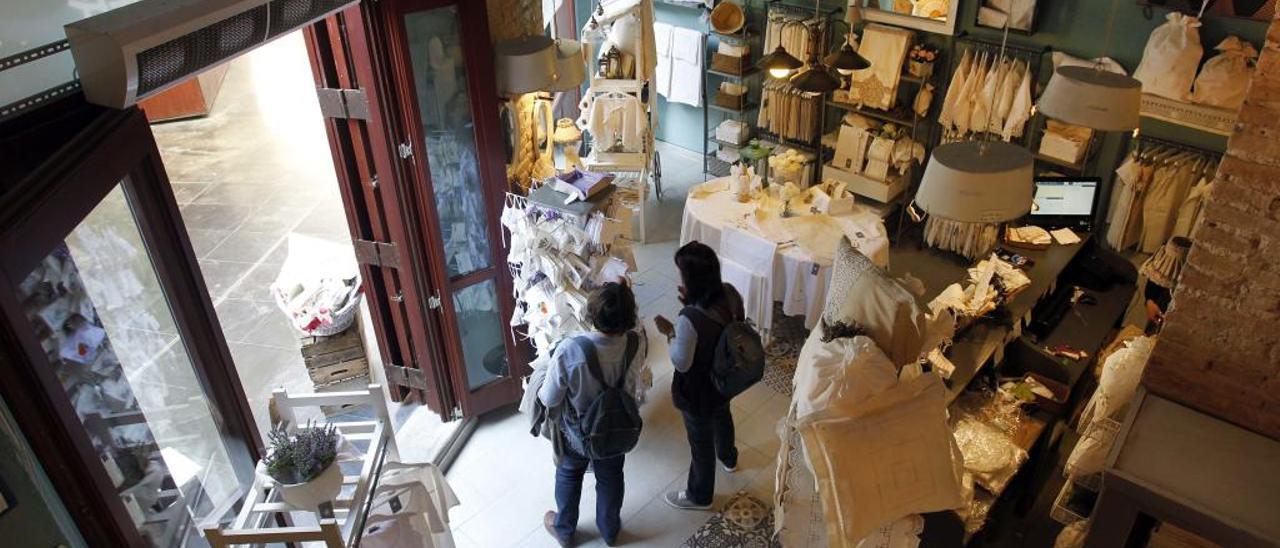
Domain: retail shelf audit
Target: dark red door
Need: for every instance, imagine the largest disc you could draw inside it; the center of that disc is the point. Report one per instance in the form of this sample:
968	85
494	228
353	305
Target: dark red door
441	63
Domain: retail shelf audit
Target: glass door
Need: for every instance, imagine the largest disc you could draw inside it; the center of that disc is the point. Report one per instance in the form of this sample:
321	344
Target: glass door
451	110
119	373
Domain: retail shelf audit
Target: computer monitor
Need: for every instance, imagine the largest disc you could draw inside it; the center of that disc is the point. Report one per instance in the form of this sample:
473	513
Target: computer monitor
1065	201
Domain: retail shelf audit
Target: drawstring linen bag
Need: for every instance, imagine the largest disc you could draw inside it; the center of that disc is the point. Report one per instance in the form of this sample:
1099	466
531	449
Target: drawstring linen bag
1173	53
1225	78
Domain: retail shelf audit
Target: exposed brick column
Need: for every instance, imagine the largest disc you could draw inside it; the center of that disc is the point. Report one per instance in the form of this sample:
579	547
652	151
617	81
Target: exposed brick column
1219	351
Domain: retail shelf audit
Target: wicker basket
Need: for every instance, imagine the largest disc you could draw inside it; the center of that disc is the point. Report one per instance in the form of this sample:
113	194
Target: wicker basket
730	101
729	64
342	318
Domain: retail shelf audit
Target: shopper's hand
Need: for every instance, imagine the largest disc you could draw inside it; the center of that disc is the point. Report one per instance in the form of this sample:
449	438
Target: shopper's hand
664	326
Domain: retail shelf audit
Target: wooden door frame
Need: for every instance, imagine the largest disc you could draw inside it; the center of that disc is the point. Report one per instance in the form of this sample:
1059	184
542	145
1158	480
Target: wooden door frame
344	56
36	215
484	102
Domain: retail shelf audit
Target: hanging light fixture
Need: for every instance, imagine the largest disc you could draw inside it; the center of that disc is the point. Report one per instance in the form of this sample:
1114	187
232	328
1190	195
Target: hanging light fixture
817	75
779	63
1093	97
978	181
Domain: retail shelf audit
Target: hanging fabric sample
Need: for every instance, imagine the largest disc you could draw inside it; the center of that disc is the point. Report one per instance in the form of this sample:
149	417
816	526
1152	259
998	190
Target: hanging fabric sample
1019	108
1126	194
618	122
954	89
1192	208
686	67
886	48
789	112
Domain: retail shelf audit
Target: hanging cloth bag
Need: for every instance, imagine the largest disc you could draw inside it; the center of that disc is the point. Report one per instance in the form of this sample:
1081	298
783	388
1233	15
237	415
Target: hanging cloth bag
1173	53
1225	77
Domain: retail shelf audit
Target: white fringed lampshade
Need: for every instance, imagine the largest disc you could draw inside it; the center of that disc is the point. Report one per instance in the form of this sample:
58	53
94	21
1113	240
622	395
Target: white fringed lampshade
1092	98
525	64
976	182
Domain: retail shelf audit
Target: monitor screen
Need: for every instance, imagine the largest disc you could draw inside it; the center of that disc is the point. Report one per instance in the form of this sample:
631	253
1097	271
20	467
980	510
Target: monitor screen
1064	197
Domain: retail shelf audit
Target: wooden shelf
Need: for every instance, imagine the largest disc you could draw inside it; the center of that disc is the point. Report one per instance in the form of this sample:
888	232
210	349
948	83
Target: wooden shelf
1079	167
873	113
749	73
750	107
1204	118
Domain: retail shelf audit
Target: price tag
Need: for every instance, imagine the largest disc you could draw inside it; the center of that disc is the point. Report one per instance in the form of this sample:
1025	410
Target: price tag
814	270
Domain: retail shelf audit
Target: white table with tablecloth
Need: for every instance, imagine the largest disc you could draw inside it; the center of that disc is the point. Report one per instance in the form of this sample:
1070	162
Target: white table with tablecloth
773	258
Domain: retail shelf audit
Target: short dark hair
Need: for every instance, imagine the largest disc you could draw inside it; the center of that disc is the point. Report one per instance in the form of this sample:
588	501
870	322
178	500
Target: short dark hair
700	274
612	309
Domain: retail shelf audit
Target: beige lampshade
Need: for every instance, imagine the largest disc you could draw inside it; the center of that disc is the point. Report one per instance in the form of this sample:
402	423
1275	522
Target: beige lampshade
525	64
570	66
977	182
1092	98
566	132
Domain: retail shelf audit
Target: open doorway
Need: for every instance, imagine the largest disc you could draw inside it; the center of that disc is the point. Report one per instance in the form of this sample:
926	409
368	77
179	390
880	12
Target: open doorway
254	179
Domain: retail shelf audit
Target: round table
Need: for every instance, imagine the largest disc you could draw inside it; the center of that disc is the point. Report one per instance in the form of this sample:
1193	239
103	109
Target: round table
793	255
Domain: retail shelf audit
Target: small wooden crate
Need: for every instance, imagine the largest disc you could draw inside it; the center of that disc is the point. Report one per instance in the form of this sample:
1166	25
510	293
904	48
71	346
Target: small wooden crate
335	359
730	101
729	64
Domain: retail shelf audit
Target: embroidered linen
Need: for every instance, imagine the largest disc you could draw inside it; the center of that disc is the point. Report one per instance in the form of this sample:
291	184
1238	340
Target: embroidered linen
886	48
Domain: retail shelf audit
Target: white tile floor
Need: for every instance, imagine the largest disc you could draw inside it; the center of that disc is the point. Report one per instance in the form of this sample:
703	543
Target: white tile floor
505	477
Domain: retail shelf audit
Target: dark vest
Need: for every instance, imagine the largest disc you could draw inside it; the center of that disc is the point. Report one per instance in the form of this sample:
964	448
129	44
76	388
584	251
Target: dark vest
693	391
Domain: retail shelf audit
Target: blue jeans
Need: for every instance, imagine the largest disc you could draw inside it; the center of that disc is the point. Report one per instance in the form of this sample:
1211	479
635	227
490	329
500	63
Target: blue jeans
609	491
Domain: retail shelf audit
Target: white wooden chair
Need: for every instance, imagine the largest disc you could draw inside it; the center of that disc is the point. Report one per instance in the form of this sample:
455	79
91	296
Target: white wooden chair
263	504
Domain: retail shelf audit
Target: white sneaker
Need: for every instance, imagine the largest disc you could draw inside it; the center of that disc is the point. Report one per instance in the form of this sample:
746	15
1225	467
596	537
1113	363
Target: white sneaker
727	468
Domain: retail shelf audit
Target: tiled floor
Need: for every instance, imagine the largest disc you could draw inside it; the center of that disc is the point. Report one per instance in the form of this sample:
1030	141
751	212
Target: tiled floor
505	477
249	177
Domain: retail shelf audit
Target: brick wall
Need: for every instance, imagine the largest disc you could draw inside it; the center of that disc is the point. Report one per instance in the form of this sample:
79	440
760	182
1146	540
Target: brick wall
1220	348
509	19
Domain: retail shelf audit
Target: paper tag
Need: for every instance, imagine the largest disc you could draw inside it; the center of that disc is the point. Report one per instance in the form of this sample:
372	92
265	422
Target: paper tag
814	270
395	504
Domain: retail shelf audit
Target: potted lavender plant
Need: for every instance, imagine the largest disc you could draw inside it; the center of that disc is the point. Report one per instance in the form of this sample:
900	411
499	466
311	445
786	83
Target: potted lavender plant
304	463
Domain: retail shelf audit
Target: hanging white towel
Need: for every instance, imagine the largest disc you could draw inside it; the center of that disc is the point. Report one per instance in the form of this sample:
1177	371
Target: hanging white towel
662	76
686	67
1122	203
1020	111
945	117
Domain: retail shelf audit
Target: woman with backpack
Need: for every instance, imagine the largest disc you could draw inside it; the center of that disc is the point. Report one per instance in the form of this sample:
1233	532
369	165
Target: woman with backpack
595	378
710	305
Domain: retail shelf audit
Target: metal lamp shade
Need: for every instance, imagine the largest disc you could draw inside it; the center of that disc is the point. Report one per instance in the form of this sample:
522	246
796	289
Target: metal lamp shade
846	59
570	66
816	78
525	64
778	61
975	182
1092	98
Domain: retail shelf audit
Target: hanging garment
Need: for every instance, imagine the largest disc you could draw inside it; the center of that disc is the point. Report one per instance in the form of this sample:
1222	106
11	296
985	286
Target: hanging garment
1192	208
686	67
662	68
1224	79
924	98
618	123
1171	57
886	48
1004	97
980	119
1019	110
947	114
1123	200
1168	189
963	113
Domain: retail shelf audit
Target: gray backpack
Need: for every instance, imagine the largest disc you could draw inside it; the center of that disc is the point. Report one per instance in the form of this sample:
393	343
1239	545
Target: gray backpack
611	425
740	359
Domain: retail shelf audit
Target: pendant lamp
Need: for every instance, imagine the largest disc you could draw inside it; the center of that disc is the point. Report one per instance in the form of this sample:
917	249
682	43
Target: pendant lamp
846	60
779	63
525	64
816	78
977	182
1093	97
570	66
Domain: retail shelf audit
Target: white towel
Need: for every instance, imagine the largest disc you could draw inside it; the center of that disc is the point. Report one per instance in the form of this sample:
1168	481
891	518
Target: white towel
686	45
747	249
662	39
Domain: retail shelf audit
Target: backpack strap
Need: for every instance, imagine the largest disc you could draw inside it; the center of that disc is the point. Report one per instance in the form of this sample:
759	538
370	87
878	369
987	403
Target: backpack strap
633	346
708	314
588	350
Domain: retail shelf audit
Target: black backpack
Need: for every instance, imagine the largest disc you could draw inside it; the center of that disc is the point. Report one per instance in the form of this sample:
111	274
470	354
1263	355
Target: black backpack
739	362
610	426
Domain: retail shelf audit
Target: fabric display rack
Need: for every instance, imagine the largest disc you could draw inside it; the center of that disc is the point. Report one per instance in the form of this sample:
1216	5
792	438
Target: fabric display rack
881	170
1158	194
556	258
628	150
723	143
789	119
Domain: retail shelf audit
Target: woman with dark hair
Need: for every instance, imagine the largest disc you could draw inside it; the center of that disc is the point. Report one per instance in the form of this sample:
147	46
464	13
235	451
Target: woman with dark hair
709	305
619	354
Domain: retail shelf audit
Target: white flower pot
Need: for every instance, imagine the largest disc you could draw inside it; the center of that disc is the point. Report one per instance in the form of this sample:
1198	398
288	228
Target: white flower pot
310	495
